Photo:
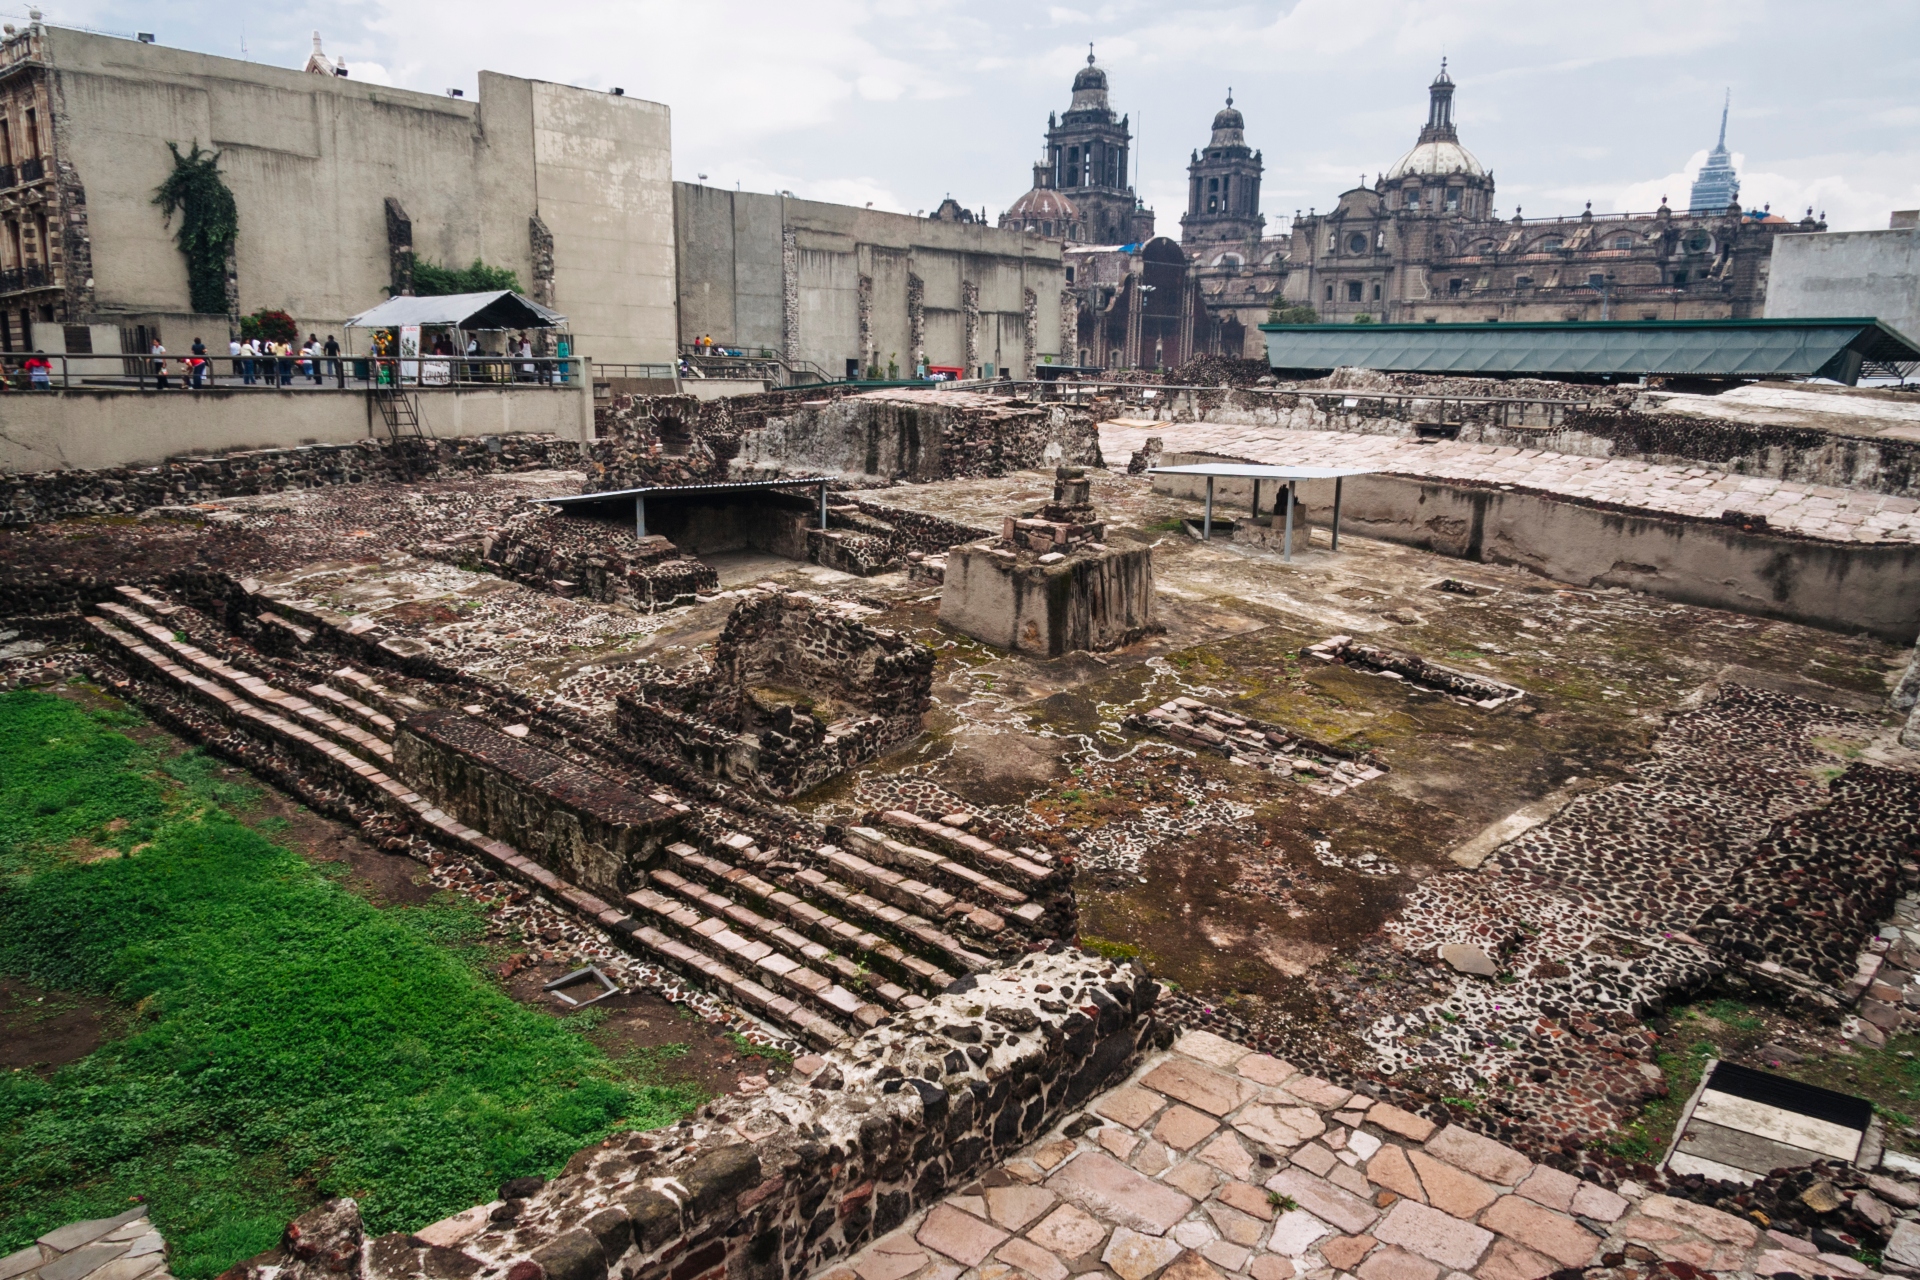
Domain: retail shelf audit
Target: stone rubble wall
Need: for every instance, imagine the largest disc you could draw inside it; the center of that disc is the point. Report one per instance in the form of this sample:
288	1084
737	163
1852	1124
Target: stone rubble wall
923	436
1608	426
567	556
55	495
775	1185
584	828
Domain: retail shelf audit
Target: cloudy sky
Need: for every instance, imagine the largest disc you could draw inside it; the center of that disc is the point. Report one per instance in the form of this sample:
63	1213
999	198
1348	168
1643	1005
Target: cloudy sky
901	102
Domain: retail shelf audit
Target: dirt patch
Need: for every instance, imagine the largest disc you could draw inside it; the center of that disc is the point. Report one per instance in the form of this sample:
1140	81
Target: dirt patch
643	1025
45	1030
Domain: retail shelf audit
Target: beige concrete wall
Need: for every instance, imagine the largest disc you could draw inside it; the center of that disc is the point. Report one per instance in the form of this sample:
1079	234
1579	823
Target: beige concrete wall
603	177
311	161
732	282
113	428
1848	273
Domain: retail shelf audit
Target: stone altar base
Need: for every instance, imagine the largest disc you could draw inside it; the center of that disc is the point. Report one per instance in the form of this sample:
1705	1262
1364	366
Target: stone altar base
1092	597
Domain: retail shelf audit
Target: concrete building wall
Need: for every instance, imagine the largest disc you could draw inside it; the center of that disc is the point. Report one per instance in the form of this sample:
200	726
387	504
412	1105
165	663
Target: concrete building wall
733	281
1848	273
312	160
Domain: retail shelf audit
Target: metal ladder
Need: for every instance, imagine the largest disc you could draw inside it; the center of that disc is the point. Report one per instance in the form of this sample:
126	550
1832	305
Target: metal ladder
397	408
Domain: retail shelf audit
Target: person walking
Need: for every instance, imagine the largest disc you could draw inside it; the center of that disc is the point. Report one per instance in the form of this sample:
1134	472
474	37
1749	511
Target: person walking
333	358
197	364
283	353
39	371
235	349
159	354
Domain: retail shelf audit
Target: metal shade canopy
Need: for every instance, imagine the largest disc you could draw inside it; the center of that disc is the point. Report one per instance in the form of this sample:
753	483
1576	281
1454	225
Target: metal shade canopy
495	309
1826	348
638	497
1257	472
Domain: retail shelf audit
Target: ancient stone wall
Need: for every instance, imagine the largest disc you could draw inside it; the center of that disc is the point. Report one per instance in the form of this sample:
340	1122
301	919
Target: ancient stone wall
721	720
774	1186
570	556
923	436
53	495
579	825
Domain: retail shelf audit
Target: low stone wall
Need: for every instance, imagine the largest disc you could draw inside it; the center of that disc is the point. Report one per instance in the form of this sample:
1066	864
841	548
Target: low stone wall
710	719
923	436
569	556
1841	586
580	826
774	1186
53	495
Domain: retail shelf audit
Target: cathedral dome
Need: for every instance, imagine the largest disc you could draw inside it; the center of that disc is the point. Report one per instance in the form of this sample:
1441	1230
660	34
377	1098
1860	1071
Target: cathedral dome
1436	159
1089	87
1090	77
1042	204
1229	126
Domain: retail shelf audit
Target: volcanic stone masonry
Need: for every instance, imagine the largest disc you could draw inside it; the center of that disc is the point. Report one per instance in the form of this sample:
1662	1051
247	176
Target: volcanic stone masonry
1049	584
800	690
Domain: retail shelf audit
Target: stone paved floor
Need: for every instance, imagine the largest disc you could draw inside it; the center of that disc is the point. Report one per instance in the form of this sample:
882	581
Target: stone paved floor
1815	511
1214	1162
126	1247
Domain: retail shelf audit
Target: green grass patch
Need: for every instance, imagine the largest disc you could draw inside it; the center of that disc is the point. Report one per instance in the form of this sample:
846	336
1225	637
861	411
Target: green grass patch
1108	948
748	1049
287	1040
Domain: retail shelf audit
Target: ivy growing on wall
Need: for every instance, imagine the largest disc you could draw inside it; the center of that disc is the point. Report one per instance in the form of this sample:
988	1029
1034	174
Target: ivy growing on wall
430	281
209	223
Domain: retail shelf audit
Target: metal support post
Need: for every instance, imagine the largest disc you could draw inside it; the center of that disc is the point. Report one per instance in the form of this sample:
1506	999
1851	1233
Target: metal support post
1286	542
1256	498
640	516
1206	524
1336	513
823	504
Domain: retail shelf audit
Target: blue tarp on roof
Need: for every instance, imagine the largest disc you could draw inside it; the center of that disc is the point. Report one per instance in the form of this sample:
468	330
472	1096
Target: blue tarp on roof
1833	348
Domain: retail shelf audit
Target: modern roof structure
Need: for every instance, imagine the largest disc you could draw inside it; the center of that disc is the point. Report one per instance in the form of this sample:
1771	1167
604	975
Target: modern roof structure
1258	471
1825	348
621	500
496	309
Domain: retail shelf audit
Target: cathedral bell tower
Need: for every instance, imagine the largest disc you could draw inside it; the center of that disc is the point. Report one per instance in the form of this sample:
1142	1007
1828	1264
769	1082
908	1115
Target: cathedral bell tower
1223	186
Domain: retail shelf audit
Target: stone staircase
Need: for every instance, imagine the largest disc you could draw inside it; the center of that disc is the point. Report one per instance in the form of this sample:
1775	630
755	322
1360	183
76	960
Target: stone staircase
821	942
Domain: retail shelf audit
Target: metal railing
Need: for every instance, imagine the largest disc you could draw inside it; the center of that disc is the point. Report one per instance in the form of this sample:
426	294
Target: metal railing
1330	400
650	371
19	279
30	171
31	371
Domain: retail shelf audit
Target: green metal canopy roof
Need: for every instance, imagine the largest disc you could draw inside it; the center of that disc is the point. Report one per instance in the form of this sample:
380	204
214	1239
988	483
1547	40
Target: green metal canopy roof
1834	348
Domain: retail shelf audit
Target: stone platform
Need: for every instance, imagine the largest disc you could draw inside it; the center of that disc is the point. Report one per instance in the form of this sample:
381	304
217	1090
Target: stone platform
1213	1162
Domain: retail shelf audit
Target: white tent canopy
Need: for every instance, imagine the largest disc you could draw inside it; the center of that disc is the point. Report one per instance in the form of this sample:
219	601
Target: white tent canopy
496	309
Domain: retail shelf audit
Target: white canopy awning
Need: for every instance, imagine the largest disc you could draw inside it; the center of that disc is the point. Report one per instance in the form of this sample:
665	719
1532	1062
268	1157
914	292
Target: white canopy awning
496	309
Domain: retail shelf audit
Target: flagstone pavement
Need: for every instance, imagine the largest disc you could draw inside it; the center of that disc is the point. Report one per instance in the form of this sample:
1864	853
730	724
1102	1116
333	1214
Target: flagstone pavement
1809	510
1215	1162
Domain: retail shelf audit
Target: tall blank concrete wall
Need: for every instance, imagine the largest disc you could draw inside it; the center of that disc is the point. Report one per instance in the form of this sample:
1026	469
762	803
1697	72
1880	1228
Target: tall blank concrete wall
312	160
734	280
1848	273
68	430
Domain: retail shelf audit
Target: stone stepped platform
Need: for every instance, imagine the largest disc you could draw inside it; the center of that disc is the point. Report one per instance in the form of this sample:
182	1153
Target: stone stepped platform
1008	903
796	946
715	936
250	686
1031	868
839	929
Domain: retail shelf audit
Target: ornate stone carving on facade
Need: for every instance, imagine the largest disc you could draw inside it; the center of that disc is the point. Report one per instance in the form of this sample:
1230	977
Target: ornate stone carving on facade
917	318
1030	302
75	237
399	248
864	304
540	241
790	295
1069	327
970	309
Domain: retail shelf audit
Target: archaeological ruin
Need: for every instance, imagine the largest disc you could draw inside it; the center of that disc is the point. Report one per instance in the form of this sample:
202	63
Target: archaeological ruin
1107	902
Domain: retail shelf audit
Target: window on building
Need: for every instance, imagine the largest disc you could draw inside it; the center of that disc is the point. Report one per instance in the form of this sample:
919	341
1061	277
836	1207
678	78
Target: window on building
1379	239
1376	292
1073	166
1623	242
1679	277
1356	292
32	140
1433	319
1649	315
1453	199
1551	244
1699	242
1213	184
6	142
1069	275
1521	282
1454	286
1413	202
1595	280
1329	293
1356	243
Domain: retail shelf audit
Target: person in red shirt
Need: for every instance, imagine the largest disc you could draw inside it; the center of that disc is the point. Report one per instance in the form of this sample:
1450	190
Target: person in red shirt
39	372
